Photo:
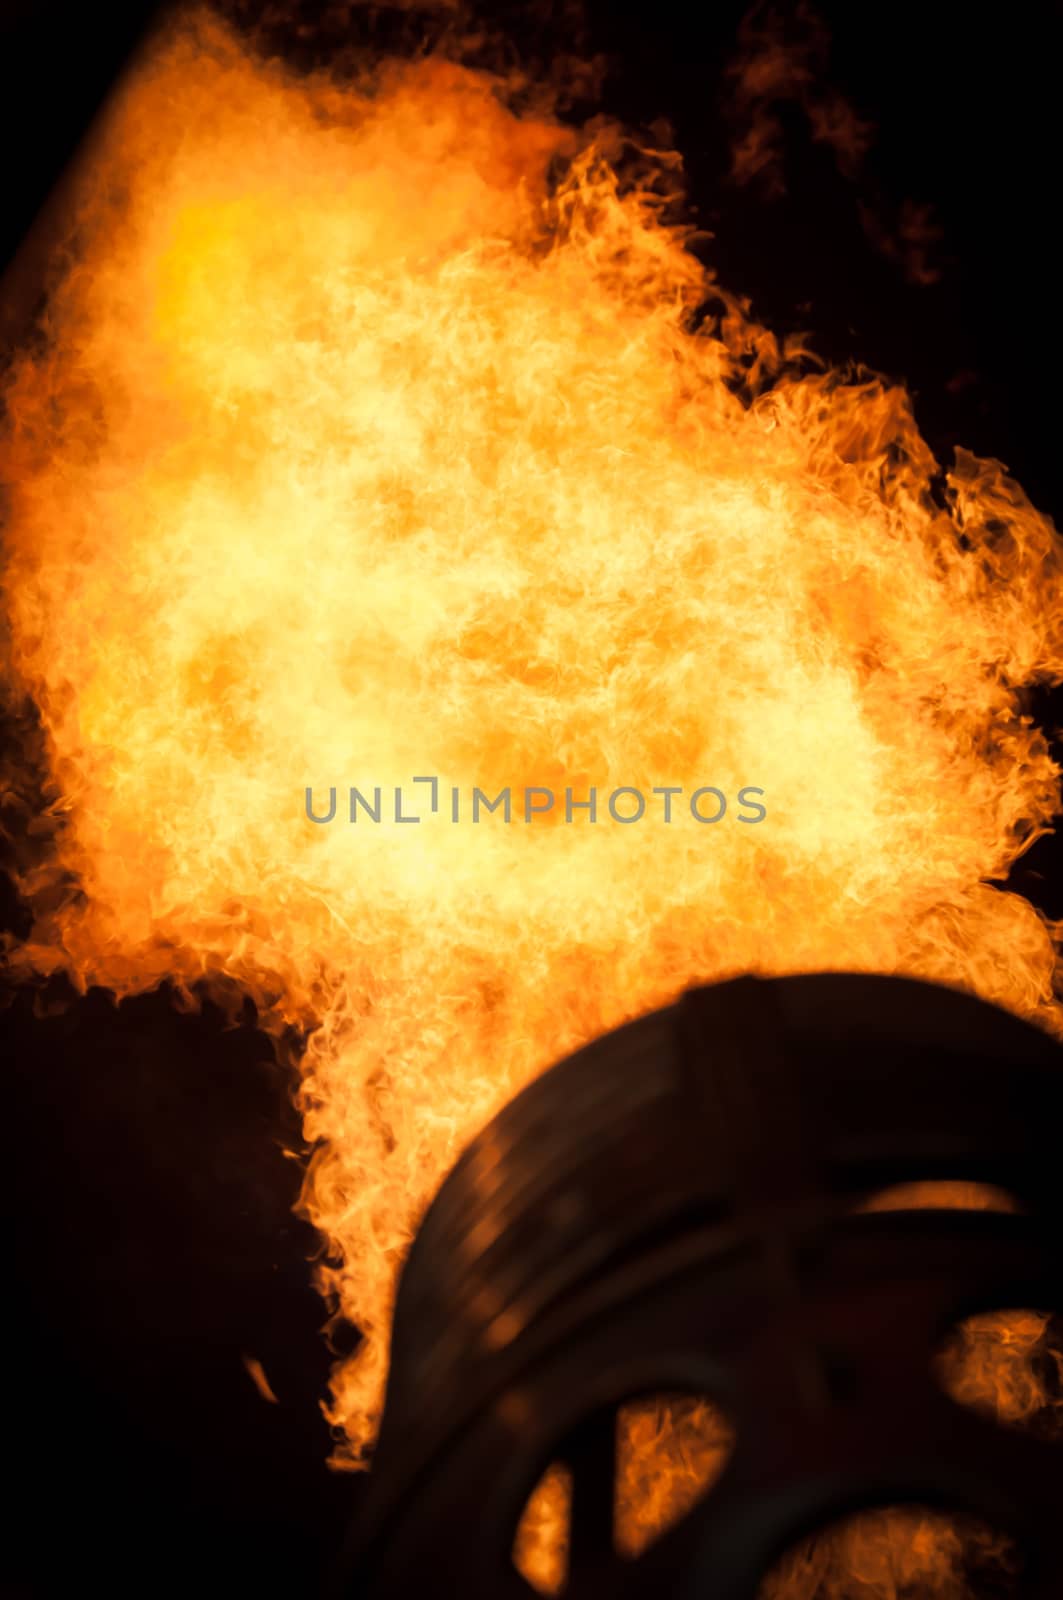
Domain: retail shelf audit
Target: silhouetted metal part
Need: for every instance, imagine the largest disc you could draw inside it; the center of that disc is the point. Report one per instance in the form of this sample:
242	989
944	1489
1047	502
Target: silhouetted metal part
672	1208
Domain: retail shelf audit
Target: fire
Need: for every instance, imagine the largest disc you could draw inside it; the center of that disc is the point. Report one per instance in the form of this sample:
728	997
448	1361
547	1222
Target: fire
370	437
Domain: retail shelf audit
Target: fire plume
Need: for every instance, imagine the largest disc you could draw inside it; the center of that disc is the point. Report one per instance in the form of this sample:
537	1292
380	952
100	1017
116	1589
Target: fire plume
371	434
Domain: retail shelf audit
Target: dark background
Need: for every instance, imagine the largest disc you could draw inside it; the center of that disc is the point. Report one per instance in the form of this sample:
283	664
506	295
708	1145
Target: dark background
149	1242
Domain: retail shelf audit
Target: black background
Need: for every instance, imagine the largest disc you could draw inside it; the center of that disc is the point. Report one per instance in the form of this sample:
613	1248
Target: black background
149	1242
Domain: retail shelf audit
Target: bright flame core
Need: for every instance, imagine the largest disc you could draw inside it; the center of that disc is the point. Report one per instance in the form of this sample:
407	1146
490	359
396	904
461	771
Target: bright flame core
362	445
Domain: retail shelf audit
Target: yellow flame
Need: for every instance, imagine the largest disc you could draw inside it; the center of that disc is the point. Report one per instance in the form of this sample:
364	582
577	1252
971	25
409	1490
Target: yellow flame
894	1553
541	1543
370	438
669	1453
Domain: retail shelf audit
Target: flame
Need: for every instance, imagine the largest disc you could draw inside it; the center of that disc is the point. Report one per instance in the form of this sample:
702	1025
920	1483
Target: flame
370	437
896	1553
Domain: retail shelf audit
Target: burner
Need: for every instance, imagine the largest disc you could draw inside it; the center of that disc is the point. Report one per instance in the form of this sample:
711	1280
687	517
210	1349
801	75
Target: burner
680	1207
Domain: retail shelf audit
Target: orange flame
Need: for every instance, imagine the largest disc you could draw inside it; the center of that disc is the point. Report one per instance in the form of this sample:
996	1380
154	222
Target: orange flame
362	445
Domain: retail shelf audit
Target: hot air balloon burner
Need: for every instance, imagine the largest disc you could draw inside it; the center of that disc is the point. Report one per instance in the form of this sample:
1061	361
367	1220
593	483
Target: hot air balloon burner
681	1207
